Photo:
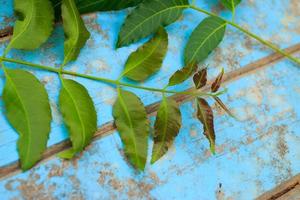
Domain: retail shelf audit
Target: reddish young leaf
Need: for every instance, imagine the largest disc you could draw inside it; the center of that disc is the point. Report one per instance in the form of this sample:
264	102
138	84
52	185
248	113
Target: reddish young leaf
217	83
200	78
206	117
223	106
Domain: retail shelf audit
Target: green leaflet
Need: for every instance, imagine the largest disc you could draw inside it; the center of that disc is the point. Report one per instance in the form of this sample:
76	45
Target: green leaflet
88	6
230	4
133	126
75	32
206	117
205	38
79	115
28	111
182	75
33	26
167	126
85	6
147	59
148	17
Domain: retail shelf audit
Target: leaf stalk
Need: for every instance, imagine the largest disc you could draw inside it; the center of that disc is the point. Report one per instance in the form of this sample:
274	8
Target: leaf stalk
101	79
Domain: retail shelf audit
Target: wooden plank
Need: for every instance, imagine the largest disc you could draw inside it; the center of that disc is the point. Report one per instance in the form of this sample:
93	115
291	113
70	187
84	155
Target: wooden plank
292	194
100	47
253	154
109	127
288	190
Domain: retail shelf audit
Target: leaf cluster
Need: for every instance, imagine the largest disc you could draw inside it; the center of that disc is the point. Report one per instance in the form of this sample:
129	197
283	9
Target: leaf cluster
26	101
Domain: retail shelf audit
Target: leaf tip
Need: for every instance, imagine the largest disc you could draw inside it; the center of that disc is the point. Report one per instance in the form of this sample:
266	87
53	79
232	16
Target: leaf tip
154	159
119	43
67	154
213	149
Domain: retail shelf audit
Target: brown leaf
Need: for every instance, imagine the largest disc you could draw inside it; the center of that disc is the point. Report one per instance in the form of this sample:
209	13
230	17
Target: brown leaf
224	107
217	83
206	117
200	78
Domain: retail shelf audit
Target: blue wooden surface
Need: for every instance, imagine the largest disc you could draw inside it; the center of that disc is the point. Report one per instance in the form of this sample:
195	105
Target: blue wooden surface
254	154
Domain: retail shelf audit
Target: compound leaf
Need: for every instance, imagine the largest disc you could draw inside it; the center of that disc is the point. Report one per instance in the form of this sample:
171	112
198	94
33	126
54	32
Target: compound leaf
200	78
27	109
148	58
204	39
79	115
230	4
167	126
133	126
182	75
148	17
206	117
34	24
75	32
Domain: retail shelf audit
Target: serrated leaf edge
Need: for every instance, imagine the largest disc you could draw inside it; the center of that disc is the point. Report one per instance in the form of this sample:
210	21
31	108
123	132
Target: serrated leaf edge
78	114
159	41
25	111
131	125
209	36
157	13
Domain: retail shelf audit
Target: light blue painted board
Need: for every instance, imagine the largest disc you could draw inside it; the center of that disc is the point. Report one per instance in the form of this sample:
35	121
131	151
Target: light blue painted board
246	160
101	59
253	155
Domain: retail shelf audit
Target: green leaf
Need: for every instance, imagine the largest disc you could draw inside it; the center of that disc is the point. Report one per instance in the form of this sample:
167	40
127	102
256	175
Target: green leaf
28	111
167	126
230	4
75	32
148	17
200	78
133	126
79	115
182	75
33	26
88	6
204	39
217	82
147	59
206	117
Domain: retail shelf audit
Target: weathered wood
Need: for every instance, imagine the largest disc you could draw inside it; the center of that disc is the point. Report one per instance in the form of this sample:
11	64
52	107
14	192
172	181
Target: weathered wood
253	154
109	127
288	190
